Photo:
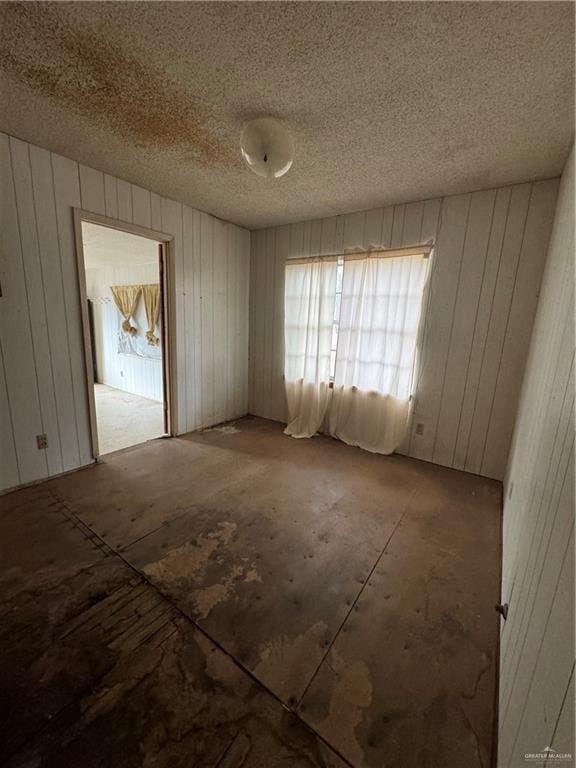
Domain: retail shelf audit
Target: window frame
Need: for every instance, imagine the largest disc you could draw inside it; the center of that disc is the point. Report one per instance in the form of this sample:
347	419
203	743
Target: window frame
424	250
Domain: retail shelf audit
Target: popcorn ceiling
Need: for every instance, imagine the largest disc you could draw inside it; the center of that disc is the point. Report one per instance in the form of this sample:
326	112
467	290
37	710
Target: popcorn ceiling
90	75
388	102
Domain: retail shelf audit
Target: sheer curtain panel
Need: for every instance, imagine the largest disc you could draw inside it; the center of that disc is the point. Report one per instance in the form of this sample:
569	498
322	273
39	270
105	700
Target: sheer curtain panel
309	299
375	359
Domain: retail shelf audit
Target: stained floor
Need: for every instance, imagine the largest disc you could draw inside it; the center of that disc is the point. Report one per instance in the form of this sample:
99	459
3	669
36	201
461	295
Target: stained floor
240	598
125	419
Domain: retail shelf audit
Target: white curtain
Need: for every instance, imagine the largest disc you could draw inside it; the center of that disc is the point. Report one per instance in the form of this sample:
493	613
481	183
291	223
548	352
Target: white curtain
375	360
309	299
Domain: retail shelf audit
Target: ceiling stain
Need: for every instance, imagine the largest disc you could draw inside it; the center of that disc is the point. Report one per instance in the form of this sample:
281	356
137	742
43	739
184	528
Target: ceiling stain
90	74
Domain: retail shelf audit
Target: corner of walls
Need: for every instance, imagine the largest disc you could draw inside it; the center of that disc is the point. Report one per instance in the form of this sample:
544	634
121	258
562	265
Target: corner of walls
487	265
43	385
536	698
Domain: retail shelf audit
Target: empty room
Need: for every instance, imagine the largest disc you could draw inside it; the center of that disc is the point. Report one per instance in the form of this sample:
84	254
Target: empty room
287	384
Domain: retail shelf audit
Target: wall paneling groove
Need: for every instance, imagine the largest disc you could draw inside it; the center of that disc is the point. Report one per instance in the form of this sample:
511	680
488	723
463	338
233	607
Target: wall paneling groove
41	343
489	254
537	640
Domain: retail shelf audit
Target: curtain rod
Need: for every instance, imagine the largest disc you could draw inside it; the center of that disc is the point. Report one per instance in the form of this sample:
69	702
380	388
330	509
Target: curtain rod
382	253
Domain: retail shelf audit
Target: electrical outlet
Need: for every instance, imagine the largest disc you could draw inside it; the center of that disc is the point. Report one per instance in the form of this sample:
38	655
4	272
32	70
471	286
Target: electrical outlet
420	429
41	442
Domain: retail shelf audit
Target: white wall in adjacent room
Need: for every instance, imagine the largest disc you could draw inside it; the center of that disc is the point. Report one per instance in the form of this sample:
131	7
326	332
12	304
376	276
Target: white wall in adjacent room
489	254
140	374
42	371
537	640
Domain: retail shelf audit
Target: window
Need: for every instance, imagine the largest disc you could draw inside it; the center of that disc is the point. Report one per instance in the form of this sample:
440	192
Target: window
377	306
351	329
309	294
378	323
336	323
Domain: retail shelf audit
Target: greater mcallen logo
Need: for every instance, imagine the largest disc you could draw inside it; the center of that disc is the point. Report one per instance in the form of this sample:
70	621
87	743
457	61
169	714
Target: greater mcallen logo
550	755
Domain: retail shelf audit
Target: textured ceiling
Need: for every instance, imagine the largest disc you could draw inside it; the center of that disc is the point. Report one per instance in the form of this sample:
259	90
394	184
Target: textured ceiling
105	247
388	102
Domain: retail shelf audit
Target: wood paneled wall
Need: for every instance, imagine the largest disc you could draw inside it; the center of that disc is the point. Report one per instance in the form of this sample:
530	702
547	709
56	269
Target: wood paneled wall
537	640
42	376
489	254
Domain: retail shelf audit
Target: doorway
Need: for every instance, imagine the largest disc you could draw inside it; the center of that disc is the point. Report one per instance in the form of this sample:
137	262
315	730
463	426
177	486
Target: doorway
123	288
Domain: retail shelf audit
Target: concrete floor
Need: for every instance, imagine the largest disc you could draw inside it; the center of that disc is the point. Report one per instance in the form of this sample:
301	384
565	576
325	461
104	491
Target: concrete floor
240	598
125	419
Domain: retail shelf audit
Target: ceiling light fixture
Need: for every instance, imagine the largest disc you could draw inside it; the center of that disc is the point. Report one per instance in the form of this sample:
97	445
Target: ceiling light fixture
267	147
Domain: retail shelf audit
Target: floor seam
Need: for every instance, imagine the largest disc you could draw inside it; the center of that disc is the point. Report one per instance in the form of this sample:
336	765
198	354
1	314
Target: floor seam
177	516
293	710
355	601
220	760
193	507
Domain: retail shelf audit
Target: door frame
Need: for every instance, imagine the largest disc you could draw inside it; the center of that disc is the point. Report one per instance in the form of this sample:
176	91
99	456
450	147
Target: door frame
167	305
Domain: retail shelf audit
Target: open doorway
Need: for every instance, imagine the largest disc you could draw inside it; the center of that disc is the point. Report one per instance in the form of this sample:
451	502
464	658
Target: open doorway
124	302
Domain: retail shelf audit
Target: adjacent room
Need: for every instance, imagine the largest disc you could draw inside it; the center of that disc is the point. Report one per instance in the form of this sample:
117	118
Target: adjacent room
325	251
123	304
